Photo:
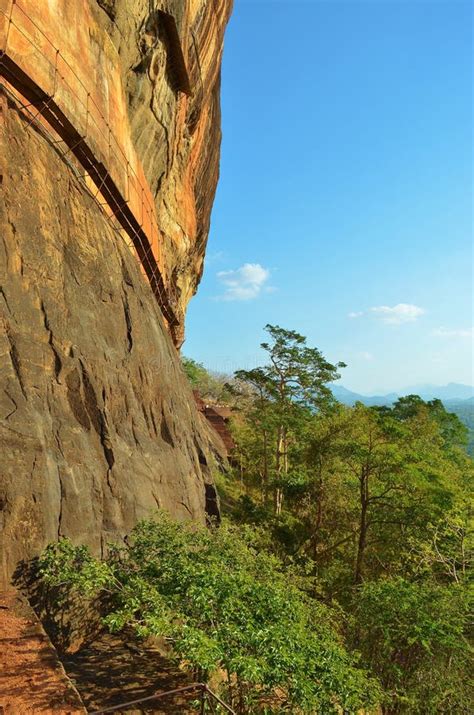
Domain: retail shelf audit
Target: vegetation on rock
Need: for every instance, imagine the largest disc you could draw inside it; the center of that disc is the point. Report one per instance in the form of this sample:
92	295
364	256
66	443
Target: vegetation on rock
229	611
340	579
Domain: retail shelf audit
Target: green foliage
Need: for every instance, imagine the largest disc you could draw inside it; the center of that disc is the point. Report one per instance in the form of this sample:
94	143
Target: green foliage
211	386
452	431
66	564
343	578
227	607
464	411
446	552
397	477
377	517
412	635
194	371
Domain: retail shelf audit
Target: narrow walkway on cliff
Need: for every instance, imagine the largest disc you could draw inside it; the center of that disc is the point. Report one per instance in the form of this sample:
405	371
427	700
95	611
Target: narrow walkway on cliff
104	672
114	669
46	672
32	678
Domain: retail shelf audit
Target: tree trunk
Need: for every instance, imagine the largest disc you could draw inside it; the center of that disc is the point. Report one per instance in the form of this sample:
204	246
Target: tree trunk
279	470
319	511
265	467
278	501
363	526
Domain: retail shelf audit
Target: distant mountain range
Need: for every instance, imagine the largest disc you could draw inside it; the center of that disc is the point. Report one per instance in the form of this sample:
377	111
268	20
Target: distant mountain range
456	398
450	394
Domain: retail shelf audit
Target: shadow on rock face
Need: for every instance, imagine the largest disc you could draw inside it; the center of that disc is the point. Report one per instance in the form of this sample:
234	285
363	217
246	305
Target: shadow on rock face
213	513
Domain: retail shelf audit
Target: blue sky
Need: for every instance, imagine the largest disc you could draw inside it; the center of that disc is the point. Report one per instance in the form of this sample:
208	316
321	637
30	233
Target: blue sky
344	207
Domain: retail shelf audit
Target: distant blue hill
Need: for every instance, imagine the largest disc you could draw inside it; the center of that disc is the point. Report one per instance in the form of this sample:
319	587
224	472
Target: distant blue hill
456	398
450	394
452	391
347	397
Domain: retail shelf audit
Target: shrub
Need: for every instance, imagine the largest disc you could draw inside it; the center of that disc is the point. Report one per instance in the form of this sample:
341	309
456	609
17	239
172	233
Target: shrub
225	607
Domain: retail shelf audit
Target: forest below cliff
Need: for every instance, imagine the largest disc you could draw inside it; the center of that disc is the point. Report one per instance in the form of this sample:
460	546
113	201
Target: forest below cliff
338	579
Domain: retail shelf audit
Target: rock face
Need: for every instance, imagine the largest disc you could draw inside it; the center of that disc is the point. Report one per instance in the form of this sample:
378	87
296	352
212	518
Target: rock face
98	425
177	134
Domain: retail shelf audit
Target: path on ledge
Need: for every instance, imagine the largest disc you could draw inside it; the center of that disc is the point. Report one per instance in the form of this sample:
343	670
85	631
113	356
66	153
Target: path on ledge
32	679
113	669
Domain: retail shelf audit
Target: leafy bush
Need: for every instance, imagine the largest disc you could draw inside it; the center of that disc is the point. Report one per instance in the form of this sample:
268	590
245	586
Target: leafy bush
227	608
413	636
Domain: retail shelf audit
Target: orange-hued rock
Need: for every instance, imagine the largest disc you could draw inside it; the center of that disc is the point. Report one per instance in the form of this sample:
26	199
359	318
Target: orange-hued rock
140	89
177	135
98	426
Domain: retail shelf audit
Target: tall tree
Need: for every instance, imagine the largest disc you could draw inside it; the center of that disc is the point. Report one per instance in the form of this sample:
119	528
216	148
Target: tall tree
294	380
397	477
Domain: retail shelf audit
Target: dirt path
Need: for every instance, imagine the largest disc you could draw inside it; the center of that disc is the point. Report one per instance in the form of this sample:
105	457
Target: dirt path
32	679
112	670
103	673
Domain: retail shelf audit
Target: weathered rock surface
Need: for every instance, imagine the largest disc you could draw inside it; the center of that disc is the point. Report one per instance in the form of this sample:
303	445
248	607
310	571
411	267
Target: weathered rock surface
97	423
177	134
138	81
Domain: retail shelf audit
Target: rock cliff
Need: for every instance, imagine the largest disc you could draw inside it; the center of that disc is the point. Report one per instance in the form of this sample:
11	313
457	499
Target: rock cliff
182	127
97	423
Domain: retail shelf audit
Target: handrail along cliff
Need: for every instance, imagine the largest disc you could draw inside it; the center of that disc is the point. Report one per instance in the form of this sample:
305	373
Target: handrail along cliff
84	105
110	131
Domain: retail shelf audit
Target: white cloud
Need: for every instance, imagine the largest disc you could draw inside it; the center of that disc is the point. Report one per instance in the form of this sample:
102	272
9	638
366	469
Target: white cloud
395	315
398	314
456	333
364	355
245	283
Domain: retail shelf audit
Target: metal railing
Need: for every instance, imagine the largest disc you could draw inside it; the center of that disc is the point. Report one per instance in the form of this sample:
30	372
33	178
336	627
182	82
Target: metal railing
79	129
207	699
